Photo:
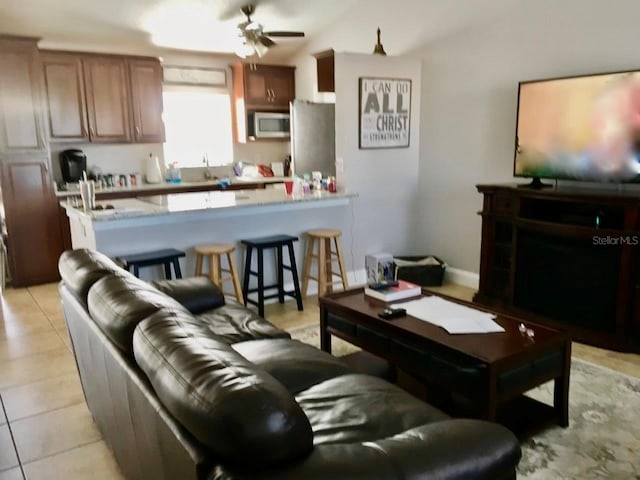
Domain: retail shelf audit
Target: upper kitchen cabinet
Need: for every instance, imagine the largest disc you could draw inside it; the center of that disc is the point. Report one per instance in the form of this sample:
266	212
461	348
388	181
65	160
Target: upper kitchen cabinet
103	98
325	69
108	99
269	87
282	83
64	86
21	125
146	95
258	88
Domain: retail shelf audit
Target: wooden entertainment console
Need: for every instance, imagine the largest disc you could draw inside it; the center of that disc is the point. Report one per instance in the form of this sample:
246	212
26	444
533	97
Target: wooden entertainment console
568	257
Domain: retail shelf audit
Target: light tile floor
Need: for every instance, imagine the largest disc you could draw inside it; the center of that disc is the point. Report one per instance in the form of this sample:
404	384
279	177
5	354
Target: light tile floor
46	431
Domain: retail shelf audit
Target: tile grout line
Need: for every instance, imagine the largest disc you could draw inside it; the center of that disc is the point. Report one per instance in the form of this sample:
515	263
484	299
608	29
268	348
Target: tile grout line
4	388
48	319
82	402
40	308
67	450
13	440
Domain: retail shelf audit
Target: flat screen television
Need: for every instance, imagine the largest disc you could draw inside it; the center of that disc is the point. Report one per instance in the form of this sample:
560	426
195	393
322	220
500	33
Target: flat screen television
580	128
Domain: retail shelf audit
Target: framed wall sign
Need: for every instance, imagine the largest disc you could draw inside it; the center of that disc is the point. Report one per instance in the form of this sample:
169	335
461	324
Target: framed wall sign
210	77
384	112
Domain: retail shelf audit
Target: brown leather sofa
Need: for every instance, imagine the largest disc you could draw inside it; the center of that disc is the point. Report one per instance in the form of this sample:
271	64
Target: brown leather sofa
184	386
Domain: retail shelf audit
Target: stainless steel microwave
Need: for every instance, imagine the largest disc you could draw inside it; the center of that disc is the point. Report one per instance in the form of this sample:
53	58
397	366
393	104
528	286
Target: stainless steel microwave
268	125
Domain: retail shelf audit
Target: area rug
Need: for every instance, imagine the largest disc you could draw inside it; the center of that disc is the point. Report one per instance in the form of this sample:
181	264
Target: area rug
603	437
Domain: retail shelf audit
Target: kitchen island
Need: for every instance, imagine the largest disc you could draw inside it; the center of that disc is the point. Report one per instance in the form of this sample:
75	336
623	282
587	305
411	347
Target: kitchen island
185	220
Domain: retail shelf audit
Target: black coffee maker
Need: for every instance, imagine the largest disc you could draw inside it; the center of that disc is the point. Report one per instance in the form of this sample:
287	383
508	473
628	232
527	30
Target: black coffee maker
73	163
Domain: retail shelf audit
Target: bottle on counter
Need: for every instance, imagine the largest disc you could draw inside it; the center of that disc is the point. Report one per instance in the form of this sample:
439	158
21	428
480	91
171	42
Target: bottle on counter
297	185
173	173
287	166
153	172
306	184
332	185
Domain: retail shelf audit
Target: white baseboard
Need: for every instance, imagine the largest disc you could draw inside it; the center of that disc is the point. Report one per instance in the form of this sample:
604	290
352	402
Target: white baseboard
462	277
358	278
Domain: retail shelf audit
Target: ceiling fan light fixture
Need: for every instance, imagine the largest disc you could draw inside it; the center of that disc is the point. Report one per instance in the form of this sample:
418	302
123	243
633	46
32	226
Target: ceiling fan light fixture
254	37
260	49
245	50
250	47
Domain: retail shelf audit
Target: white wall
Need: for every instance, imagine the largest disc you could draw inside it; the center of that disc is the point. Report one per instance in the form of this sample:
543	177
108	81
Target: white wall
473	54
386	180
470	100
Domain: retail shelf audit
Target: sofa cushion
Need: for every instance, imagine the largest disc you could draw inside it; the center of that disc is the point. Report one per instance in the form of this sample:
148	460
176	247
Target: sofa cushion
196	294
81	268
118	303
237	410
360	408
236	323
296	365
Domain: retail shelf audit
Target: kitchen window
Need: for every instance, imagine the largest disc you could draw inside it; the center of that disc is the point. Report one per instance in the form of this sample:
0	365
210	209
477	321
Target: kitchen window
197	124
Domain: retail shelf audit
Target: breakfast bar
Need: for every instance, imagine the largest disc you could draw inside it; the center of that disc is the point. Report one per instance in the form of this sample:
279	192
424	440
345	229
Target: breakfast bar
183	220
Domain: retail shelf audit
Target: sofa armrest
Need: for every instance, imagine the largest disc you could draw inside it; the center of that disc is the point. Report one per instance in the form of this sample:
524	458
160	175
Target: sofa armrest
450	449
455	449
196	294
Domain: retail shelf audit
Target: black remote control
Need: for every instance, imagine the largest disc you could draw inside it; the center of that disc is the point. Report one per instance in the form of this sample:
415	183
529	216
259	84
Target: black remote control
389	313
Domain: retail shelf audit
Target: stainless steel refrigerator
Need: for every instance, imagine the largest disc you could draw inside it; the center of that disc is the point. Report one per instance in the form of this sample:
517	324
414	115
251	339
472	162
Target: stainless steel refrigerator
313	137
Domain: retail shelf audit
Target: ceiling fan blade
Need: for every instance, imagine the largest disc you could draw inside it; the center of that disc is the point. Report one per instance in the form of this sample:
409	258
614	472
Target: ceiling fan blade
284	34
266	41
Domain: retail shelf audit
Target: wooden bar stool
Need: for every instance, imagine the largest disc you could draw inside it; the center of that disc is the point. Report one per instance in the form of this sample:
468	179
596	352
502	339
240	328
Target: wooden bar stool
214	253
166	257
325	257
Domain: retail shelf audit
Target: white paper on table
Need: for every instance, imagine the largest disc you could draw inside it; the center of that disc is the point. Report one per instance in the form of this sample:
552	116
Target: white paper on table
453	317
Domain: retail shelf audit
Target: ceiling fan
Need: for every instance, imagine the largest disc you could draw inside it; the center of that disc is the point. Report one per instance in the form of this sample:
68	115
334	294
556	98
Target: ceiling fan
255	39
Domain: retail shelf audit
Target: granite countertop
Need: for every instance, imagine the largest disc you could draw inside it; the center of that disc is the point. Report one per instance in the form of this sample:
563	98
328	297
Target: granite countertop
196	203
173	186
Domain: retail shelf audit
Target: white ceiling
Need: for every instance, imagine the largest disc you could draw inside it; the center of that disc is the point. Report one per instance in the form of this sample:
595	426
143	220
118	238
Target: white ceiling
201	25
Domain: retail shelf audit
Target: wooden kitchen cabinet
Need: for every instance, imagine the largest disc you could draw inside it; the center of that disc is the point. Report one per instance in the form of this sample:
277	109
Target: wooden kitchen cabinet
282	82
103	98
31	216
108	99
146	95
325	70
21	125
260	88
266	86
66	114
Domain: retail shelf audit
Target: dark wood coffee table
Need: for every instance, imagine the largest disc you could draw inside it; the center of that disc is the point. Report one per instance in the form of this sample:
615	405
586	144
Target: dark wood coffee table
488	372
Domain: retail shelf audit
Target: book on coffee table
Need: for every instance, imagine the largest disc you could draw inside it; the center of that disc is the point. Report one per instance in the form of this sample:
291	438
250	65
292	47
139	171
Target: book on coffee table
390	294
